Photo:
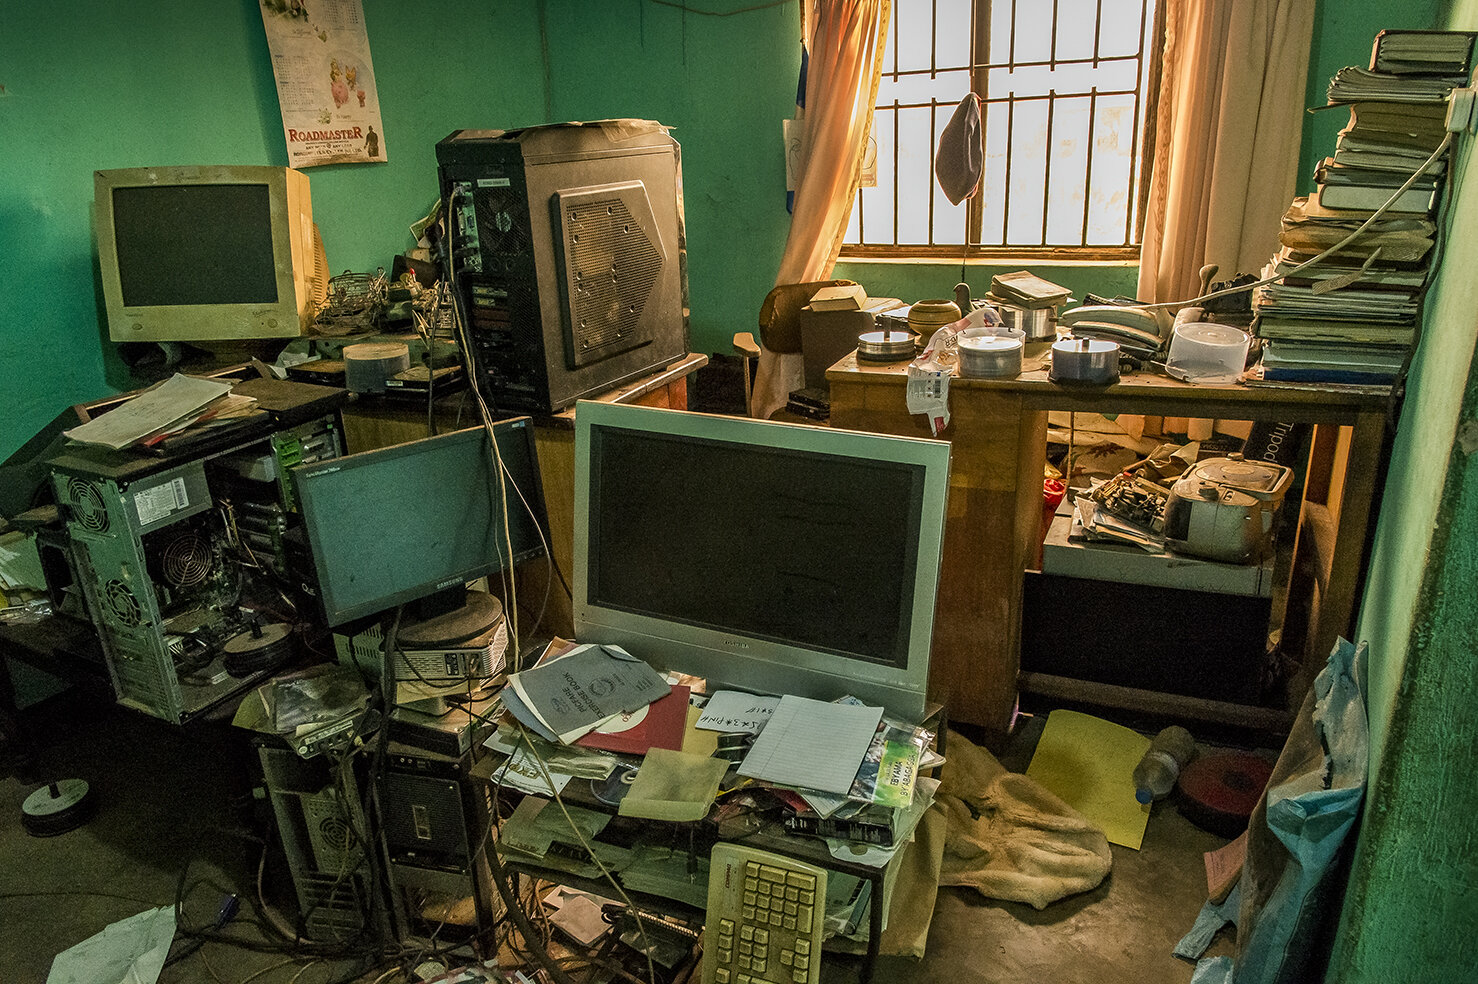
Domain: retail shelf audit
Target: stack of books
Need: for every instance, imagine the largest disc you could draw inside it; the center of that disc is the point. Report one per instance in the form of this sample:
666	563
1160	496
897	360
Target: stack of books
1350	319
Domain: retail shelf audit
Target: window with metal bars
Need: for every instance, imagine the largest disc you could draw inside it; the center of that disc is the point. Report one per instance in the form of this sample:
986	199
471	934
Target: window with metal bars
1067	91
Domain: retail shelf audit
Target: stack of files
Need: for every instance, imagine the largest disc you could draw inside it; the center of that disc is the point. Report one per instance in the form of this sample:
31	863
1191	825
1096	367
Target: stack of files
1332	362
1309	227
1027	290
1365	189
174	405
1440	53
1407	279
1350	318
1395	137
1361	84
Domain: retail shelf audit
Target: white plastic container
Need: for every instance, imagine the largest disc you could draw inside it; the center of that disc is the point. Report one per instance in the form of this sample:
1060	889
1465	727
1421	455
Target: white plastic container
985	354
1206	352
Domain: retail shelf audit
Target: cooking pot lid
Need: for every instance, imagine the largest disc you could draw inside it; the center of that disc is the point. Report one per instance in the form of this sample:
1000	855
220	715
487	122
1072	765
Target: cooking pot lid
1239	473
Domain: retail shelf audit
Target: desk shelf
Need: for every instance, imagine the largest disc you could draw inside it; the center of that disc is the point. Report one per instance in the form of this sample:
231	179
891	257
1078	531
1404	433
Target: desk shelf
998	428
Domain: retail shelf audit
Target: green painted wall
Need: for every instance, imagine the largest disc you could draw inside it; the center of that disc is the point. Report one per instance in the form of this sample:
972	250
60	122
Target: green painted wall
724	84
1411	904
121	91
104	85
1343	33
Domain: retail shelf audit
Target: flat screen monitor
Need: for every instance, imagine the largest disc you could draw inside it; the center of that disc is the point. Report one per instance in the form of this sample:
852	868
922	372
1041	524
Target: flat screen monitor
421	519
767	557
207	253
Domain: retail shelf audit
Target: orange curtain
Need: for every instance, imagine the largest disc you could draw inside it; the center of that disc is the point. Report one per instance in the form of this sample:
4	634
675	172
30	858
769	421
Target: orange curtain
1228	126
845	39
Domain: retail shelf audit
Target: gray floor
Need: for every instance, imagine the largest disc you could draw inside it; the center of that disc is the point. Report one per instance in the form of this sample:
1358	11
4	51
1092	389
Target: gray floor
169	798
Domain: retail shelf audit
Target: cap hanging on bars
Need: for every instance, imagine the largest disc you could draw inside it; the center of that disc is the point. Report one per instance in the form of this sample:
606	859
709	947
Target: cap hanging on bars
960	160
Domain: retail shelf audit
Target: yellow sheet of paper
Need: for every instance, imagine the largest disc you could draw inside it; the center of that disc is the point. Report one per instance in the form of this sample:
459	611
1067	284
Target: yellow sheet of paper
696	742
1089	763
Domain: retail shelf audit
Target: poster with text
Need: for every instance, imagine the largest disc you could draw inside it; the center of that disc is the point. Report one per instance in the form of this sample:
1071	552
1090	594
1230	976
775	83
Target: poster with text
325	81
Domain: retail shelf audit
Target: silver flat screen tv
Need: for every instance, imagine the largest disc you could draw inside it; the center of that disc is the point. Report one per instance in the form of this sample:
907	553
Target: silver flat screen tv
766	557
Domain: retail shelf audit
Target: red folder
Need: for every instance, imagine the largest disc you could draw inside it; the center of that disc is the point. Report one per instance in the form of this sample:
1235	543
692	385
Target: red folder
662	726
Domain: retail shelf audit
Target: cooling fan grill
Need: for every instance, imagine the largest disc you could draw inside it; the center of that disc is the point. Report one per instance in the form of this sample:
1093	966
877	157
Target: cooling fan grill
123	603
188	560
87	506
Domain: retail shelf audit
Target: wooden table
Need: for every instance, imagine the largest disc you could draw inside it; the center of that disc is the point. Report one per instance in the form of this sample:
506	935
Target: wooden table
998	429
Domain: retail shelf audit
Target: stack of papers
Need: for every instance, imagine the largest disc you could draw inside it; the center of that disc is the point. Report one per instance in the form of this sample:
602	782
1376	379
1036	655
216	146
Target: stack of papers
175	404
565	698
1357	84
1027	290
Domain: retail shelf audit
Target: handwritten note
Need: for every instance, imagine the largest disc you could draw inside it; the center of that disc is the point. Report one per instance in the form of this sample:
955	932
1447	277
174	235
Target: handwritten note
733	712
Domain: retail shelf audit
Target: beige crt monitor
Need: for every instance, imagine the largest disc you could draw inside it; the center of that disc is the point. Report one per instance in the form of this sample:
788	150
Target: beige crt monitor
203	253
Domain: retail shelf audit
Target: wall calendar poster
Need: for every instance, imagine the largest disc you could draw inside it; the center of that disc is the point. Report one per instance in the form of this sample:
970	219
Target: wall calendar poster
325	81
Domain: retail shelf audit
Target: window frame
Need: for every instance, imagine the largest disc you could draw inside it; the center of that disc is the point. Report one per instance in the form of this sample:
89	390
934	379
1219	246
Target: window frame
972	250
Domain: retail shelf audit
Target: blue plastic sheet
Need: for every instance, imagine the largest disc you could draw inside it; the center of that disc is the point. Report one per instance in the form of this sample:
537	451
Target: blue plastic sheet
1298	831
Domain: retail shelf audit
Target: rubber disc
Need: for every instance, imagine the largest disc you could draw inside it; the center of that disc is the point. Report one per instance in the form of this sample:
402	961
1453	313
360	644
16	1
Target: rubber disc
55	809
249	653
1218	791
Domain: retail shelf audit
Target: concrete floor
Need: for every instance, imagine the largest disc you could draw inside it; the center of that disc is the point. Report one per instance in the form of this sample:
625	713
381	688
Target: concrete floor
167	797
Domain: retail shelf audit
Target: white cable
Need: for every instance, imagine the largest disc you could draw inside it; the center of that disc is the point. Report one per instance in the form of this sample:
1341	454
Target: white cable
1436	154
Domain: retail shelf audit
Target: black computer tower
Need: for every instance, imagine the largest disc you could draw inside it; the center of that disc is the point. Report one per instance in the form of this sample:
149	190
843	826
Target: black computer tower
436	831
568	252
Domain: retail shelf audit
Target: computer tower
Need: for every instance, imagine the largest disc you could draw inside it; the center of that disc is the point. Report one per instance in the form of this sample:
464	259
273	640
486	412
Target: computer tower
165	550
568	252
324	834
435	825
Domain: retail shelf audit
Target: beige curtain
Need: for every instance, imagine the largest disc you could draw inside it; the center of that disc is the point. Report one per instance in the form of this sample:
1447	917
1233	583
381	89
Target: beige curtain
1228	126
845	39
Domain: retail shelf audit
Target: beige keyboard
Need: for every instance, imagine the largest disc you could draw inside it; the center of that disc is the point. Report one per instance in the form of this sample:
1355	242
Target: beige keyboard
764	918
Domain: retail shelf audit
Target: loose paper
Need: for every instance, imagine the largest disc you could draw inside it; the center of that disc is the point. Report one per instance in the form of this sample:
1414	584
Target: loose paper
173	400
1089	763
734	712
812	744
130	951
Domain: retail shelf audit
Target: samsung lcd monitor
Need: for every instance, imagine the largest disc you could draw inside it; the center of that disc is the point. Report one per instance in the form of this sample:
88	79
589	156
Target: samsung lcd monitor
765	557
207	253
415	522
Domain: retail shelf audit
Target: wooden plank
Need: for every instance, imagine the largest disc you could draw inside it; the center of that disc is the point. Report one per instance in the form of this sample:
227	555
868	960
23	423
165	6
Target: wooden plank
1267	719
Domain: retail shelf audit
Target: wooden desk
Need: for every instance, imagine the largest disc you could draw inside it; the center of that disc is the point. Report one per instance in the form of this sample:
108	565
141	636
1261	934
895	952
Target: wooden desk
380	423
998	428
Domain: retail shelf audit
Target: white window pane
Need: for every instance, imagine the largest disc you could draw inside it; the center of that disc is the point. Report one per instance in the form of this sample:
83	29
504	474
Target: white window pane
915	173
914	31
1113	191
912	90
993	184
1028	173
953	44
1066	189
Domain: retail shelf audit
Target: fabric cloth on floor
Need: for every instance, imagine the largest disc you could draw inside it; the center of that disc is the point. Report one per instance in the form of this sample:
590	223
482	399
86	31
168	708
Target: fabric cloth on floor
1008	837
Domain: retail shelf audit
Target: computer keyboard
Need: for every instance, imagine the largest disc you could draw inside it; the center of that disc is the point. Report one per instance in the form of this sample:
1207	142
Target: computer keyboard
764	918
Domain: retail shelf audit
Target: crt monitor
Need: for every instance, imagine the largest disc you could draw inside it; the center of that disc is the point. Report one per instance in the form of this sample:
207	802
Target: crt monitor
767	557
419	520
207	253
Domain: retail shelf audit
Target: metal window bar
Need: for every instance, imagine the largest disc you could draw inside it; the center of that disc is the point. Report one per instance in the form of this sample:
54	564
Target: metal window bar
1146	78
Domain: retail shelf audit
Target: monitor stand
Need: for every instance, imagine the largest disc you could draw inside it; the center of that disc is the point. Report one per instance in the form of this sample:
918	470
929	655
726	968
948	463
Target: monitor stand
449	619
